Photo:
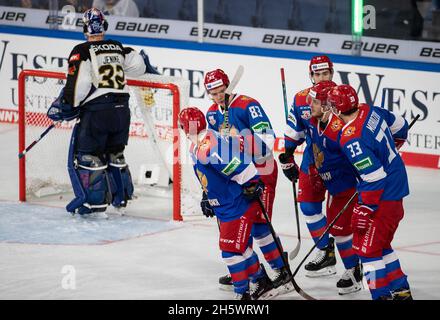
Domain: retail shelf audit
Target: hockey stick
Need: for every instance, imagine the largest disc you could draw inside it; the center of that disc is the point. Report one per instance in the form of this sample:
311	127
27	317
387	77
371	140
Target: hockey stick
26	150
339	214
300	291
237	76
325	232
295	251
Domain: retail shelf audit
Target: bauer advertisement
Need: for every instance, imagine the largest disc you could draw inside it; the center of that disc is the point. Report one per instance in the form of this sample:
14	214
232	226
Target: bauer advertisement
406	92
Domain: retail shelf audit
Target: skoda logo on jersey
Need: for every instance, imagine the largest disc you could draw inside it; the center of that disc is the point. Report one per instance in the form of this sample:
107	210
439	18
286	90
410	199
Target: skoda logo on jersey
211	120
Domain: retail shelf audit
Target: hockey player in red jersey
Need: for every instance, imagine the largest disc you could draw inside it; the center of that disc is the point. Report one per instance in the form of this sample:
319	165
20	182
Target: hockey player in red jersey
311	190
240	115
338	177
367	142
231	185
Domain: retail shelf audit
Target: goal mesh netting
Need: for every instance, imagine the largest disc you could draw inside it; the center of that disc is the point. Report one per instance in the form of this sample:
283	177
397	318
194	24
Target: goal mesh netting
155	144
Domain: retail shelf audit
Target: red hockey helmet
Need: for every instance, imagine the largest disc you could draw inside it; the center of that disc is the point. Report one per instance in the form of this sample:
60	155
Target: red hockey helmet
320	63
320	91
343	98
215	79
192	120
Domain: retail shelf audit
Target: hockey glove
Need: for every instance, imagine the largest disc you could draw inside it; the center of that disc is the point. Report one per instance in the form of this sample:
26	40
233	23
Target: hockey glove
315	179
206	207
253	189
289	166
148	67
361	218
398	142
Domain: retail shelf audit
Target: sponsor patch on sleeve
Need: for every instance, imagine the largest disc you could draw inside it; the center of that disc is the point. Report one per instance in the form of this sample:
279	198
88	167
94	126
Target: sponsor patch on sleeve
261	126
363	164
232	166
72	70
75	57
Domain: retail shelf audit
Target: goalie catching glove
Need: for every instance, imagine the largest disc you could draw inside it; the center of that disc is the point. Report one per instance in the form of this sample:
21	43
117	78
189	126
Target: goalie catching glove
60	111
253	189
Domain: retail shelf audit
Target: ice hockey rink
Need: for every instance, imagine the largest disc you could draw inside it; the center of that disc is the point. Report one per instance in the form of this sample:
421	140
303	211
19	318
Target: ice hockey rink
47	254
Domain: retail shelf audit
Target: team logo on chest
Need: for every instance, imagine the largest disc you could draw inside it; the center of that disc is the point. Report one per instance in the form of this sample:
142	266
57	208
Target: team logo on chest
349	131
203	180
336	125
318	155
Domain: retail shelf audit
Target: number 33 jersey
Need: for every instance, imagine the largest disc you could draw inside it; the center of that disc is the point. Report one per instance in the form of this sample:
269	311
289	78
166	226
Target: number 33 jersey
368	143
100	67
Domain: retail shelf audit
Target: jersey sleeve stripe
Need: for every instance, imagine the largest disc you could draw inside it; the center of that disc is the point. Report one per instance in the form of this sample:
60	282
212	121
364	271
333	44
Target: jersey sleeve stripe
293	134
246	175
398	124
374	176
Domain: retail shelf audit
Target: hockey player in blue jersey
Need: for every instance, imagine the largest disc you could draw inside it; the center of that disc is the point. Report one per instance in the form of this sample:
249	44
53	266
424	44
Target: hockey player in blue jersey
230	184
96	94
240	115
311	189
338	177
367	140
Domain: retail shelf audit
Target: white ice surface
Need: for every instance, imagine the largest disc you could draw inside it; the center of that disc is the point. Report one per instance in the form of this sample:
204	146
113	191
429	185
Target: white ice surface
134	258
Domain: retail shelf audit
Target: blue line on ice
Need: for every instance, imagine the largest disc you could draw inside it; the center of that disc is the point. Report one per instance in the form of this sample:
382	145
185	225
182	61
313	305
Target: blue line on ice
27	223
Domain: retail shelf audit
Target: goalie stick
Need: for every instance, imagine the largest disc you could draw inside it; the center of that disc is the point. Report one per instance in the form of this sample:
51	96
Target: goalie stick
29	147
295	251
339	214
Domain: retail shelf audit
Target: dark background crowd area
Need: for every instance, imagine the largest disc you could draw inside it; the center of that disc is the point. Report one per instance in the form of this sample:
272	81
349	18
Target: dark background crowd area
397	19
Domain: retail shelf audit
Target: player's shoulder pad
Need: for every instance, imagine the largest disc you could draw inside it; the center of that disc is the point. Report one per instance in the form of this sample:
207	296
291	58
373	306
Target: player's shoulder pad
334	127
242	102
212	108
79	53
353	130
301	97
127	50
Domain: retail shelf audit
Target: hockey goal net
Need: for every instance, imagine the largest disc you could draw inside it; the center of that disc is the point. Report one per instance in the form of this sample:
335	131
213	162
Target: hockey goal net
157	152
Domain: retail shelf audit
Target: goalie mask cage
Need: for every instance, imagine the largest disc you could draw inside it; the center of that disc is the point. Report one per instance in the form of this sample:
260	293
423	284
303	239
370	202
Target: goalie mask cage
155	141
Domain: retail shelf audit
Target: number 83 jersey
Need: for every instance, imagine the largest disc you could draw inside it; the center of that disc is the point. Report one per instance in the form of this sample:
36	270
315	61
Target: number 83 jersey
367	142
100	67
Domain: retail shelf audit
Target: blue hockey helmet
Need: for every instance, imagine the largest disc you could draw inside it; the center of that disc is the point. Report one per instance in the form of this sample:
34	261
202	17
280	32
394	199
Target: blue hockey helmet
94	22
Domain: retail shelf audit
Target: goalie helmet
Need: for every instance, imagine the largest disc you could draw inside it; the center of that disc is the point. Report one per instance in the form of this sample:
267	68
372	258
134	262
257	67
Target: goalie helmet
215	79
318	63
192	120
343	98
320	92
94	22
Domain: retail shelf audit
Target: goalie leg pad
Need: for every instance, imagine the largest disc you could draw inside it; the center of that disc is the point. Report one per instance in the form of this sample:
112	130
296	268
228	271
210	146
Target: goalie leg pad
120	180
89	181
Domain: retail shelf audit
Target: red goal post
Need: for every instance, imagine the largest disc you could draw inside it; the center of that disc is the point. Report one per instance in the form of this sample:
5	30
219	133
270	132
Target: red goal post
30	115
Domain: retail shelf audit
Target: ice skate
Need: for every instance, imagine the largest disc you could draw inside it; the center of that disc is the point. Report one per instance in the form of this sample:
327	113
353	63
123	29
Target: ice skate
351	280
324	262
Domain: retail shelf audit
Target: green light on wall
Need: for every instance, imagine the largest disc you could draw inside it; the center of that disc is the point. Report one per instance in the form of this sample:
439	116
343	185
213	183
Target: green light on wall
357	16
